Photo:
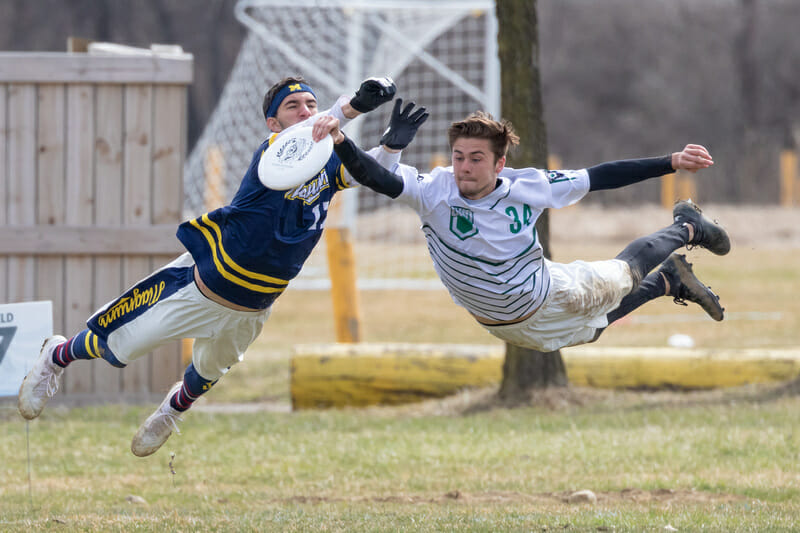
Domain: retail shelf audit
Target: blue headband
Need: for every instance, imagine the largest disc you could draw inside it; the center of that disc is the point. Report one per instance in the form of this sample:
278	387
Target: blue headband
283	93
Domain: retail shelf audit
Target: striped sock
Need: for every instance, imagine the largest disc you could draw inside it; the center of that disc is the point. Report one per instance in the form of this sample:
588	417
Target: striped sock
194	386
84	345
183	399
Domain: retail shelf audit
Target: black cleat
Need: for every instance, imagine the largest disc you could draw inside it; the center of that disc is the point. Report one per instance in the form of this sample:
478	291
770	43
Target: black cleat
683	286
708	234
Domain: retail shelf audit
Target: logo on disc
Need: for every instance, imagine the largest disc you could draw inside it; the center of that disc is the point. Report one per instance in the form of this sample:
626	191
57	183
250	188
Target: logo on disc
294	149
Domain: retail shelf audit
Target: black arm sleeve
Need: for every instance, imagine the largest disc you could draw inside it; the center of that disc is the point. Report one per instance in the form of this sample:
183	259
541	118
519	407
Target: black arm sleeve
367	171
628	171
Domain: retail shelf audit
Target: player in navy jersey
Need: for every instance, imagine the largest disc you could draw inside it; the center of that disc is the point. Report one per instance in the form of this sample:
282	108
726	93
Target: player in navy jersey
239	259
479	221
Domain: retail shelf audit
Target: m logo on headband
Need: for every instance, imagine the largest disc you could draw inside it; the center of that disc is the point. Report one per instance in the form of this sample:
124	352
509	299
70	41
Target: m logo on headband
283	93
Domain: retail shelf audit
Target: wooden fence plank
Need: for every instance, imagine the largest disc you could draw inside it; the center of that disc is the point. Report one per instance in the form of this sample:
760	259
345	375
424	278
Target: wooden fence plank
50	186
91	240
169	144
49	67
79	202
3	179
108	282
21	200
95	199
137	188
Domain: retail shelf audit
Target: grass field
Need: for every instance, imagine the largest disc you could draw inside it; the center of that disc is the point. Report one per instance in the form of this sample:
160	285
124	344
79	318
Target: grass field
724	460
713	462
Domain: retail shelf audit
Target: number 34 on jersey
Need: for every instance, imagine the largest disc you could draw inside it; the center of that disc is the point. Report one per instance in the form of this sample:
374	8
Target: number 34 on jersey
462	220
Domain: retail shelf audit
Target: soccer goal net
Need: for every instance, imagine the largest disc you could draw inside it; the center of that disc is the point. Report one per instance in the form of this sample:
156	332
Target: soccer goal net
441	54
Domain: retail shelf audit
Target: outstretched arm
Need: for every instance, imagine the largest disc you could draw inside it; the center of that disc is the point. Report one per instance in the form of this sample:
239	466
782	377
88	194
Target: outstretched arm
403	126
626	172
372	93
364	169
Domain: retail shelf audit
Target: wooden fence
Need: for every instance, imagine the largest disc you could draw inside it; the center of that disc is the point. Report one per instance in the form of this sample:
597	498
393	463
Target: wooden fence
91	189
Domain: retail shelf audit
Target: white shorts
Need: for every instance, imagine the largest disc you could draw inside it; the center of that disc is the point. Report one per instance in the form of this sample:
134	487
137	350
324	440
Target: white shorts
581	295
176	309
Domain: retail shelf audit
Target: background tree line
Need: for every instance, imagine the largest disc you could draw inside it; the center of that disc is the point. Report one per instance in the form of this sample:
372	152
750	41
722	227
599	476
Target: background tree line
620	78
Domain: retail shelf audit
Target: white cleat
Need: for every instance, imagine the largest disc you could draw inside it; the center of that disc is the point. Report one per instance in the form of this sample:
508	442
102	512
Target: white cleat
42	381
158	427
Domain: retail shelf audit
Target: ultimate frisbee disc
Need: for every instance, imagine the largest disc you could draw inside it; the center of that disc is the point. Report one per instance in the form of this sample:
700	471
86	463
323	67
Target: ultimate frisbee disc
293	158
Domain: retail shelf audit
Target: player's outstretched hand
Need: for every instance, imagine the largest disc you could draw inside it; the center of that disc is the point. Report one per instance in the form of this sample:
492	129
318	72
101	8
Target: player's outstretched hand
327	125
372	93
692	158
403	125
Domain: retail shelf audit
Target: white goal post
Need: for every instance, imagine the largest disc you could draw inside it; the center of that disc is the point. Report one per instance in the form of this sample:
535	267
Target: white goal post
442	55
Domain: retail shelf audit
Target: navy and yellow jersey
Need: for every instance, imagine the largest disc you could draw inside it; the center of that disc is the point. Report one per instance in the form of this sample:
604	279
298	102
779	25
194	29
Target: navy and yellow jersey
248	251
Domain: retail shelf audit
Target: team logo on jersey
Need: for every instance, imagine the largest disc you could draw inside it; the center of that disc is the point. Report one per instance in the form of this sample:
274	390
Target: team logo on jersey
462	222
310	191
554	176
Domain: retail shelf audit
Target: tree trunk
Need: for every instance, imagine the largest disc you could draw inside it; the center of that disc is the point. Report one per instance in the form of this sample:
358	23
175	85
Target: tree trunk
747	62
518	47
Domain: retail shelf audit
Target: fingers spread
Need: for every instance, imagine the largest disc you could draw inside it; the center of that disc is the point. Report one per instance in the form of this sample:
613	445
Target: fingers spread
397	104
419	116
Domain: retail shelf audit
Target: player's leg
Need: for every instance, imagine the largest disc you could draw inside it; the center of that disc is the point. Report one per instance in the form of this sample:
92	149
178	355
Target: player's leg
646	253
120	331
689	227
57	352
42	380
707	233
221	339
157	428
674	278
85	345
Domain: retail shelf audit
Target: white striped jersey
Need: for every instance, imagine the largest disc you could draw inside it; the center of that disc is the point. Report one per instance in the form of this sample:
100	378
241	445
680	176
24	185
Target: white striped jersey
486	251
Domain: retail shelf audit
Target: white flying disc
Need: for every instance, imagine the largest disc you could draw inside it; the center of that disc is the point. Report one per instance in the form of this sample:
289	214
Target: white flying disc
293	158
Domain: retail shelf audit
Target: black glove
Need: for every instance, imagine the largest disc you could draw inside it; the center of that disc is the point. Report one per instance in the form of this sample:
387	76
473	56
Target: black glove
372	93
403	125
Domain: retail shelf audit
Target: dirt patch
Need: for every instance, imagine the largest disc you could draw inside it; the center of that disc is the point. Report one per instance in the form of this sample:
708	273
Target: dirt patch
470	401
658	497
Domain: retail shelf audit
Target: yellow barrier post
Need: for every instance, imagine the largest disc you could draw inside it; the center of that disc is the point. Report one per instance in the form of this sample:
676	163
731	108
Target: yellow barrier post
686	186
439	159
186	351
342	375
668	191
342	272
788	177
554	162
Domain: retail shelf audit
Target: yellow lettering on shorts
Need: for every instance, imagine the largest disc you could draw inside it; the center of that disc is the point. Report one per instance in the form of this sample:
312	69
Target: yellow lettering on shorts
128	304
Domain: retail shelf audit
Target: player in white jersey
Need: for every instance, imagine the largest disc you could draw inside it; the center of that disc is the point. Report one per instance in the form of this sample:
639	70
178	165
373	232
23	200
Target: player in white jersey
479	221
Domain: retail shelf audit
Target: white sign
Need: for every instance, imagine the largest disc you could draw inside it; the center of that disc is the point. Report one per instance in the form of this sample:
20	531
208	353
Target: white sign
23	329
